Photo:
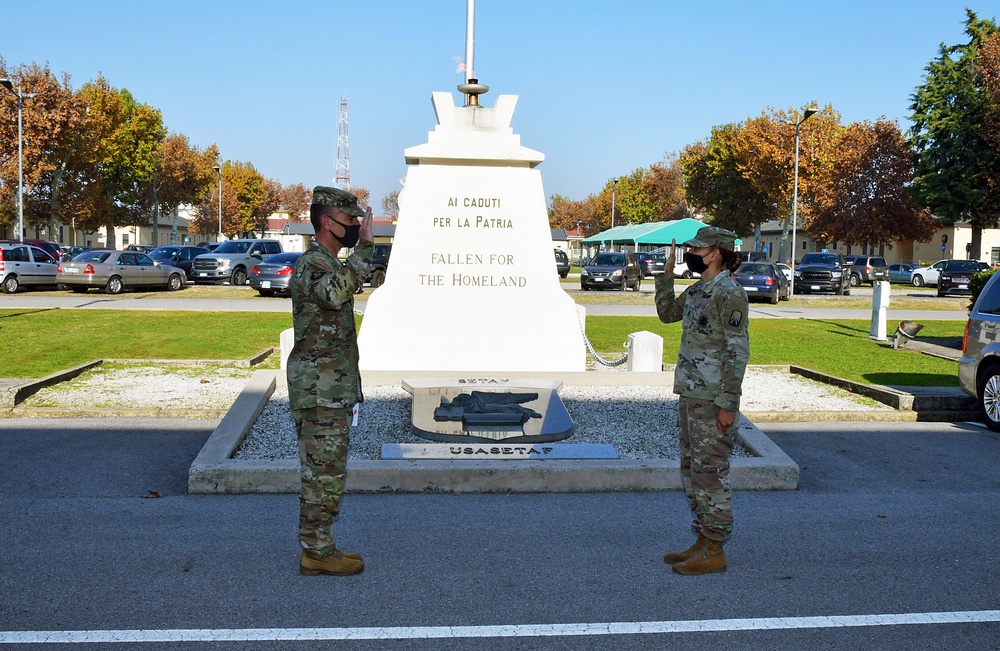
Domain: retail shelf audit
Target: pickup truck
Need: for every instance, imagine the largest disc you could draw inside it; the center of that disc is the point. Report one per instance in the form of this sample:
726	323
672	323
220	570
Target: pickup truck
232	261
823	272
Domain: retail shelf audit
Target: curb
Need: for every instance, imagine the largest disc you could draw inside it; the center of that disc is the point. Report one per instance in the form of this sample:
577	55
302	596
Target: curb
215	472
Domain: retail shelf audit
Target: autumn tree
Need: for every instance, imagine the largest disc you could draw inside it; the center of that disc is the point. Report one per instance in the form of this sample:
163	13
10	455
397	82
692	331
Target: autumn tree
362	194
270	201
568	214
390	203
183	175
957	170
295	200
867	200
716	186
51	121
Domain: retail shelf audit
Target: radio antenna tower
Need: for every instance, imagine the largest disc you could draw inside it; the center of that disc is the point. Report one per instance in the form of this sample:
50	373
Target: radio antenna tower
343	178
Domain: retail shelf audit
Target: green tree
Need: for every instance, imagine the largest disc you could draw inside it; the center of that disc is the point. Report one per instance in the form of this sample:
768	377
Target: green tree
957	170
120	140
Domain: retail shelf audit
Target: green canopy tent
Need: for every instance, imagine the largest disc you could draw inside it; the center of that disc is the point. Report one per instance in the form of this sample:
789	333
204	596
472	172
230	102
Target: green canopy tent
650	234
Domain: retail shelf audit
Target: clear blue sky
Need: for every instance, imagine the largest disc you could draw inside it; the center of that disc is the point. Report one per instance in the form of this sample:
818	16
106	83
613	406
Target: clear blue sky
604	87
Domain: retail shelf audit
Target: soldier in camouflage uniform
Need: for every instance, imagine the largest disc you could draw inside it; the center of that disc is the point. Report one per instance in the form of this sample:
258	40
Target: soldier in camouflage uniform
323	378
708	379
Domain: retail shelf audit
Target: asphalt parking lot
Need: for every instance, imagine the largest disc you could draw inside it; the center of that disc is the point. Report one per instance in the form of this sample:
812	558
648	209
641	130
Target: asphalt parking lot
887	544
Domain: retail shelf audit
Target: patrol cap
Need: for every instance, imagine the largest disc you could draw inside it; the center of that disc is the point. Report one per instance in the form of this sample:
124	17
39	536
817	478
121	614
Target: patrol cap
342	199
714	236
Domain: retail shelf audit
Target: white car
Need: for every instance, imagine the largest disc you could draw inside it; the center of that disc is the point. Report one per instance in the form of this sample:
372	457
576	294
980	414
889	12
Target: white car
927	275
785	269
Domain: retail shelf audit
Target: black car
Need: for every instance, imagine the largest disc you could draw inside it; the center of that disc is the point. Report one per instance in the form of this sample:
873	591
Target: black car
562	263
823	272
955	277
656	263
611	271
762	280
379	264
178	256
644	262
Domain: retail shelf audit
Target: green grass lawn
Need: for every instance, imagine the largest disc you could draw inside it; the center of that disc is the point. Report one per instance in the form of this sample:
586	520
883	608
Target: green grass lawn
36	343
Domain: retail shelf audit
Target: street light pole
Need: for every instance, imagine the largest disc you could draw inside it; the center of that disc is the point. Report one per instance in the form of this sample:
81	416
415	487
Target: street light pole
218	169
9	85
808	113
614	182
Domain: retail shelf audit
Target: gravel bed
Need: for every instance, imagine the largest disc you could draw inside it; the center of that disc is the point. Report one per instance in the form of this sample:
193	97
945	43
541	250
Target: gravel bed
153	387
640	421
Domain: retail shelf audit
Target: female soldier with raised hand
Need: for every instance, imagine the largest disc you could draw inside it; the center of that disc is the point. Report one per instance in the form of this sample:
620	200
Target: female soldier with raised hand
708	379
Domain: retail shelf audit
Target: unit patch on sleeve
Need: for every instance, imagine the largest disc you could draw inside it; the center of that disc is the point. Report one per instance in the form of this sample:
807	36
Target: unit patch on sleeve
735	318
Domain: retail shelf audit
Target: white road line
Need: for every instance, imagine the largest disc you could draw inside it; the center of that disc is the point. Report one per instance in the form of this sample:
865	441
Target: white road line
512	630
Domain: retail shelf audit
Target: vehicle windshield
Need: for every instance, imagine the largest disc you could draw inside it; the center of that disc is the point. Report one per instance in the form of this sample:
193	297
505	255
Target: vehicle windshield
820	258
962	265
608	260
233	246
164	253
754	270
92	256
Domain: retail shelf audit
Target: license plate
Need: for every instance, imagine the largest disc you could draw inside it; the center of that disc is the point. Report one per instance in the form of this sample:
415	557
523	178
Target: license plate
598	280
963	286
71	270
750	289
815	287
265	284
203	274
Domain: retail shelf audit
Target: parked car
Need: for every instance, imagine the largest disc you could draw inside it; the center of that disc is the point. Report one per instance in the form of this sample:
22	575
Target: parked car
611	271
178	256
901	273
823	272
785	269
70	252
656	263
274	275
114	271
762	280
643	258
142	248
955	277
379	264
979	366
562	263
867	269
753	256
24	265
49	247
233	260
927	275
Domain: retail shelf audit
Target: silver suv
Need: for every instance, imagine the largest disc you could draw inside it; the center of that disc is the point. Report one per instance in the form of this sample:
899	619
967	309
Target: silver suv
232	261
979	367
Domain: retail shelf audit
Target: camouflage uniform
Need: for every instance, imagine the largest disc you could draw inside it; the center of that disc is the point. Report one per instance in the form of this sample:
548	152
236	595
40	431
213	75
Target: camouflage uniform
712	359
324	382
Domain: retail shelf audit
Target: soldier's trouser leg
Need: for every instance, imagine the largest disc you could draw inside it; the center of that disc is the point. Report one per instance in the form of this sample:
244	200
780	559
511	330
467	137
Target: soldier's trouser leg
323	436
705	467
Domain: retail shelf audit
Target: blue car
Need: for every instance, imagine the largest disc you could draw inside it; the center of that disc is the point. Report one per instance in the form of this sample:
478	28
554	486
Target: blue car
762	280
901	273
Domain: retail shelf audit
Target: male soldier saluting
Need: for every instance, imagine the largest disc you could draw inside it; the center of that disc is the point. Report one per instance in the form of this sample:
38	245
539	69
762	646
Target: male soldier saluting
323	379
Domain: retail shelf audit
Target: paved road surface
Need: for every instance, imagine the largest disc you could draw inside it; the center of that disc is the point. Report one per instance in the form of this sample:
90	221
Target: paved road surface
891	522
254	303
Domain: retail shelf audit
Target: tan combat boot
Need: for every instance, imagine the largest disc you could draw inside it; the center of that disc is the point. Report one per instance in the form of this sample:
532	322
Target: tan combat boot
708	560
679	557
336	564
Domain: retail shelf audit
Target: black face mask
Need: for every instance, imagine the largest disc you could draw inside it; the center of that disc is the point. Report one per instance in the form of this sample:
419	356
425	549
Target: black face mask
350	237
695	263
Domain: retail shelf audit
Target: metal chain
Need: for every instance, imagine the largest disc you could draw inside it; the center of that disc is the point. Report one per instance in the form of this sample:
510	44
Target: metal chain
603	362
